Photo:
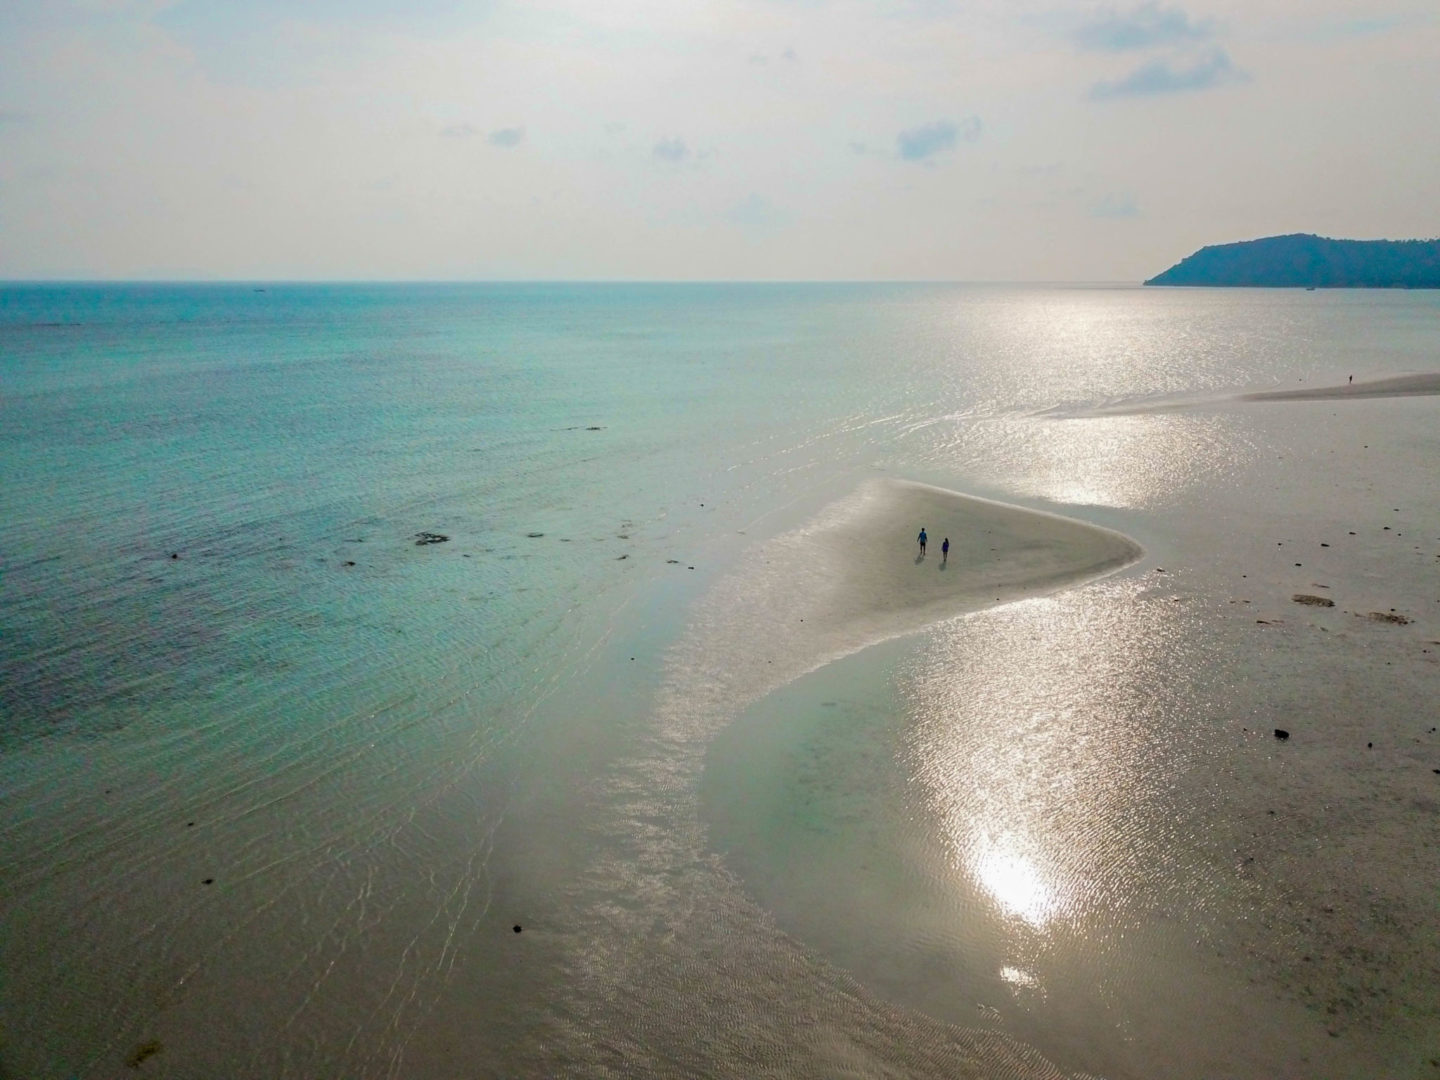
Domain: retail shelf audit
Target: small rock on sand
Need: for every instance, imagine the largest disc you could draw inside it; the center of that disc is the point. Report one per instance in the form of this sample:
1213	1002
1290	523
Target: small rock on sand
1314	601
1281	734
1388	617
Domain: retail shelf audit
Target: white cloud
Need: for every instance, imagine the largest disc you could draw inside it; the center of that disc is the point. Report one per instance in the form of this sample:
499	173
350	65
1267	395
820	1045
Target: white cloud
671	148
926	141
506	138
1168	77
1146	26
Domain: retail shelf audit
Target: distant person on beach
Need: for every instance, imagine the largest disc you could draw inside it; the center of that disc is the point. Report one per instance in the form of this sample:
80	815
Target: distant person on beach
945	549
922	539
1352	380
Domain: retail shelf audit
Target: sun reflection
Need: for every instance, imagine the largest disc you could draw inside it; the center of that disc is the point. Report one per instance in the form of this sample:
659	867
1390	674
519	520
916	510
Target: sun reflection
1019	978
1047	736
1014	881
1138	460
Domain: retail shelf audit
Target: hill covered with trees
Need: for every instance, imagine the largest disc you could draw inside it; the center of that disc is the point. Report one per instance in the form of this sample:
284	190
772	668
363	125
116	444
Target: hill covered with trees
1302	260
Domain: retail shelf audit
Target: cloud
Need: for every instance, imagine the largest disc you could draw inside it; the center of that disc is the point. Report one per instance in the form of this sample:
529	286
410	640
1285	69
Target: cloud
924	142
1115	207
1376	25
1325	31
761	60
508	138
754	212
1147	26
1162	77
672	148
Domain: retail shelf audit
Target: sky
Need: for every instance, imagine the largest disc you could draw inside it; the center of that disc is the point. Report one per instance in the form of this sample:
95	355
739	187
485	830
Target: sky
965	140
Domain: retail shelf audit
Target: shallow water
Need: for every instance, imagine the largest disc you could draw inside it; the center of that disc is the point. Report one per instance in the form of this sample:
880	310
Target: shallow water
1058	818
389	764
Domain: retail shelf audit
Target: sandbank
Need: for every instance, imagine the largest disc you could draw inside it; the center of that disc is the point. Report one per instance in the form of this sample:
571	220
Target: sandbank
854	576
1415	385
998	553
1396	386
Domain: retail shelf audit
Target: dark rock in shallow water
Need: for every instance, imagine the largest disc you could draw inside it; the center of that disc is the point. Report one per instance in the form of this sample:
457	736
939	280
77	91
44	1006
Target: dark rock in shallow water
429	538
143	1052
534	536
1281	734
1314	601
1387	617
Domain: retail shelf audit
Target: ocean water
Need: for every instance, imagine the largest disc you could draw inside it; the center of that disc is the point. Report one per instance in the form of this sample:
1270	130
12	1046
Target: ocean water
278	783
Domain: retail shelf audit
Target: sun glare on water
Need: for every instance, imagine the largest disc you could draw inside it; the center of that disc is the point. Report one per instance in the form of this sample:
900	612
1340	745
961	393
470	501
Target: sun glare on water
1014	881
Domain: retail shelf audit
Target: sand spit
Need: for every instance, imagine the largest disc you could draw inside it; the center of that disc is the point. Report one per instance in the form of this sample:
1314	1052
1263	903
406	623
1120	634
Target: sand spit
878	578
1394	386
1398	386
855	576
850	577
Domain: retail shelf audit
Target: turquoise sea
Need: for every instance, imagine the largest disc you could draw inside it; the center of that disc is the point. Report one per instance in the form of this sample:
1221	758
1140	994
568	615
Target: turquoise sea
284	792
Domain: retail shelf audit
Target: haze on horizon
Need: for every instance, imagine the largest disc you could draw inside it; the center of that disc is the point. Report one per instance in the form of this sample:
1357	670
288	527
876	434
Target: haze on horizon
995	140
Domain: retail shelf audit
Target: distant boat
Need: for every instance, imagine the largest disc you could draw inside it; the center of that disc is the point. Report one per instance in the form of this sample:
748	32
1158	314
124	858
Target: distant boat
1309	288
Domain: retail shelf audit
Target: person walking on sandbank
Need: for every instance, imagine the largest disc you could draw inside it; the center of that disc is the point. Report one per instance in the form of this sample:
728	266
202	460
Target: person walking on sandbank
944	551
922	539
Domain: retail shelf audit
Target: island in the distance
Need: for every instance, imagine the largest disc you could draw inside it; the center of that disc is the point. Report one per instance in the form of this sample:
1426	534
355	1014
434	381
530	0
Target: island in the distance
1301	260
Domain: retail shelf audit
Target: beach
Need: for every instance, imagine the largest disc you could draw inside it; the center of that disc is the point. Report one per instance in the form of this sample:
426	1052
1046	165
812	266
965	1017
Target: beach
1398	386
676	756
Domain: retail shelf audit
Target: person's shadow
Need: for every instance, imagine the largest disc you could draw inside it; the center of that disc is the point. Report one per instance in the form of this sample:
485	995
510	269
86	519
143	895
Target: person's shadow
920	558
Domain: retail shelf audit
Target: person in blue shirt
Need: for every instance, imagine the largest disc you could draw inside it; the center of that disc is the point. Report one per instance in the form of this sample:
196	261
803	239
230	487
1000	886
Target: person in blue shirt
922	540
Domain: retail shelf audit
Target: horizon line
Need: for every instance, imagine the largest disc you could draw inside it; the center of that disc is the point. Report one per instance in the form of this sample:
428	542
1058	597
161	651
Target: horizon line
7	281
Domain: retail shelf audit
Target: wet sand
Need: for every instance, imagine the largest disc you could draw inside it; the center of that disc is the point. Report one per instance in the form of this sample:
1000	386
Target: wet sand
1398	386
641	866
854	576
1070	819
871	579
